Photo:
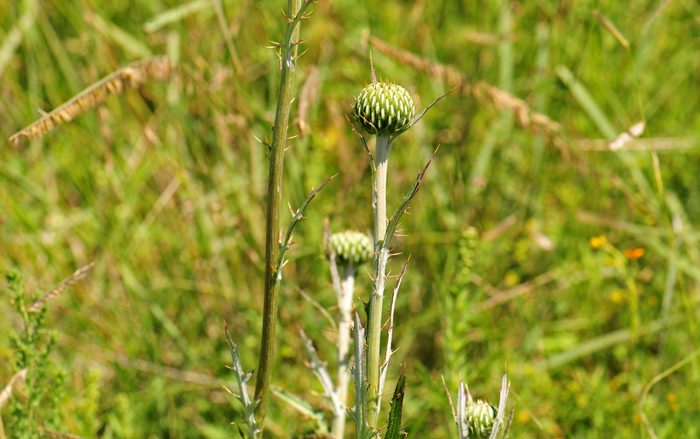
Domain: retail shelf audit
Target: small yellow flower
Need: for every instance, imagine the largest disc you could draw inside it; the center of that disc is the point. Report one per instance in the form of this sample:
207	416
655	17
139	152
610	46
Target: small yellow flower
597	241
523	417
616	297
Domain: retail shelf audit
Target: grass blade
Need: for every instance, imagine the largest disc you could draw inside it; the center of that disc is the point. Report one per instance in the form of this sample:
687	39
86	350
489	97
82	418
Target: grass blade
14	39
586	100
175	14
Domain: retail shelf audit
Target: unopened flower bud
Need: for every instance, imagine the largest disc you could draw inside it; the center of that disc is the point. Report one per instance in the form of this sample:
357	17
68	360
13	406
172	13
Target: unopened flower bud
481	415
351	248
384	109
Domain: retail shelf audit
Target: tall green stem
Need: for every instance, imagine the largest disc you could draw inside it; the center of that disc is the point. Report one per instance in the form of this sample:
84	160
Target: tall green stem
274	194
381	255
345	309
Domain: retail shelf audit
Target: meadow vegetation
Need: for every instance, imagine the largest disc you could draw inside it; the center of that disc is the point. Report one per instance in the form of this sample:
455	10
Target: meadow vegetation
551	238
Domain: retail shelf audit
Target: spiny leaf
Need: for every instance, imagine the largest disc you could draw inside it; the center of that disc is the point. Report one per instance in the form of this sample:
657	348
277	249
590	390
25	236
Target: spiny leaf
394	221
506	428
296	216
394	430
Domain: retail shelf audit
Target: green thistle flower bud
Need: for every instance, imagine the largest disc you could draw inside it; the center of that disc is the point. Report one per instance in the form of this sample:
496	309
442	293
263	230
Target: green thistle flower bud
480	415
351	248
384	109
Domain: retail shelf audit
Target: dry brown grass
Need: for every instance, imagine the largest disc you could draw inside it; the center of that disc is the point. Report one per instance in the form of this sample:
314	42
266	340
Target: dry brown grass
134	75
7	392
58	289
482	92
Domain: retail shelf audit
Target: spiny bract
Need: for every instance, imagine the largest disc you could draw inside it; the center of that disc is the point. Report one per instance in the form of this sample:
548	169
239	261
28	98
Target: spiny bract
480	415
384	108
351	248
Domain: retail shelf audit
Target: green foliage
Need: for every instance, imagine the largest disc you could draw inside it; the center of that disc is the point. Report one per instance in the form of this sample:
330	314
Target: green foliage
89	406
458	299
165	189
44	385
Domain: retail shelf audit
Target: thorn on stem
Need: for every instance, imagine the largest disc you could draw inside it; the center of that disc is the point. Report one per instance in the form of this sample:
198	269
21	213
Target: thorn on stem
299	56
286	16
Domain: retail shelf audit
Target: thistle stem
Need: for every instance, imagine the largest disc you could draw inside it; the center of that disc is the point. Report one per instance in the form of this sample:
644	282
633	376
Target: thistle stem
274	198
381	255
345	310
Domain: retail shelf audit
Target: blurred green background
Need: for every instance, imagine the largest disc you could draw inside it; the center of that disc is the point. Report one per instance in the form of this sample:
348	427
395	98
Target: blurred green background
164	188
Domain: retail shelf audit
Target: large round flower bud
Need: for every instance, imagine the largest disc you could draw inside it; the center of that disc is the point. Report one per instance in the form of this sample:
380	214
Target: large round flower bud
351	248
384	109
481	415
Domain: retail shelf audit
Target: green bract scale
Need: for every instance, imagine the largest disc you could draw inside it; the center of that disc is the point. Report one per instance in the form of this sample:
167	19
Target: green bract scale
351	248
480	415
384	109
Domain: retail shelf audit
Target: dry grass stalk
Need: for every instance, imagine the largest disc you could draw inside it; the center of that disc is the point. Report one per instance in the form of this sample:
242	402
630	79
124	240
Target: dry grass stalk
448	74
482	91
316	436
133	75
628	136
527	118
48	297
58	435
7	391
652	144
307	95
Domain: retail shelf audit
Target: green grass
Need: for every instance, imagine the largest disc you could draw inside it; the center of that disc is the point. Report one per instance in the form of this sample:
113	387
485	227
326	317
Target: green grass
169	270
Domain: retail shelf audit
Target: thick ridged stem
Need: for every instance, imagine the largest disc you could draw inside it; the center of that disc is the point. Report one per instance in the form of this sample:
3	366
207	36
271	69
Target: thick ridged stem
274	198
381	256
347	286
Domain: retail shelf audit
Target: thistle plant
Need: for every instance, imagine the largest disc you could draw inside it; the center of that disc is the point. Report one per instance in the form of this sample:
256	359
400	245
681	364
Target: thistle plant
296	11
385	110
275	247
348	250
478	419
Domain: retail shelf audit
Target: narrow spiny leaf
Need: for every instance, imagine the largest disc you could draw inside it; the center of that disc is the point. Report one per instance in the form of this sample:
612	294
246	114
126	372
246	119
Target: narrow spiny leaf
394	430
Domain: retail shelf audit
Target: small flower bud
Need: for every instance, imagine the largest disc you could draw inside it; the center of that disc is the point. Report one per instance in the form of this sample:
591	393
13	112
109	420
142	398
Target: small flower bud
351	248
480	415
384	109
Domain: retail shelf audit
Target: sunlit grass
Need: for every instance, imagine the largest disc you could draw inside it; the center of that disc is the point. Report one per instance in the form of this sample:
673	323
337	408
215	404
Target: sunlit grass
163	187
